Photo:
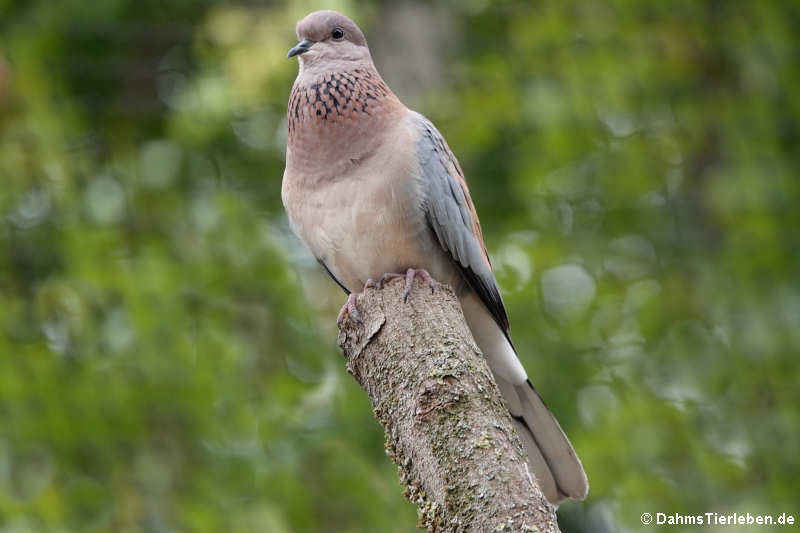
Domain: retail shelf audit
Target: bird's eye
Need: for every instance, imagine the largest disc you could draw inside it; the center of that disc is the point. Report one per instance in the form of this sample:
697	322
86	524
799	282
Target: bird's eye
337	34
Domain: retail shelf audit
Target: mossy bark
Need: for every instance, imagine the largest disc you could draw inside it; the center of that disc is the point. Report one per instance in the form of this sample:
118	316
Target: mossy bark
446	426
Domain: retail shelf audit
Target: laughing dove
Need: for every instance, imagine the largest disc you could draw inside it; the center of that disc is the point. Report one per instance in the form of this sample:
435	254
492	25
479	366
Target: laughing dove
373	188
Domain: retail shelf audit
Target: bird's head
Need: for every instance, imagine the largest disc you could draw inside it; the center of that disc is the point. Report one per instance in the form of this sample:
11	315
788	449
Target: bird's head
328	37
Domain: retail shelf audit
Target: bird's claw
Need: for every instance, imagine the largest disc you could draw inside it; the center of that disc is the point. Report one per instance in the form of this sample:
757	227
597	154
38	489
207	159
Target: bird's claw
388	276
410	274
409	277
349	308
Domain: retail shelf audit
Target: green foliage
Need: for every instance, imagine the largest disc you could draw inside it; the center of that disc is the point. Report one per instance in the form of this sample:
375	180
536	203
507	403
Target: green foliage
167	354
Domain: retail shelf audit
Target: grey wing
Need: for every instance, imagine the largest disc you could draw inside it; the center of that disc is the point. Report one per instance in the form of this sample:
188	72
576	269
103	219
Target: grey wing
451	215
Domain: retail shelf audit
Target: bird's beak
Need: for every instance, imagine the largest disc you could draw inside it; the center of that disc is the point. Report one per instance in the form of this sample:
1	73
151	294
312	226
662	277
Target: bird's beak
301	48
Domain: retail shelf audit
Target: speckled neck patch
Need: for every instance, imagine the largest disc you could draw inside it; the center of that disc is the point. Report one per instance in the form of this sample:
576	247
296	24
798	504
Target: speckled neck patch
335	98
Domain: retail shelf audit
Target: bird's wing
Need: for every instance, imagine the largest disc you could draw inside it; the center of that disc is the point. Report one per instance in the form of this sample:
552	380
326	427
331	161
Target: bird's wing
451	215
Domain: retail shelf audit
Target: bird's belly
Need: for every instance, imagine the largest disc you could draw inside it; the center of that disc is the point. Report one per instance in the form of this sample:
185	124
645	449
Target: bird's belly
361	232
367	220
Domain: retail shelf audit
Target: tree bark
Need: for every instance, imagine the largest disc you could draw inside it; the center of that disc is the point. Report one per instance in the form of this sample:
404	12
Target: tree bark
446	427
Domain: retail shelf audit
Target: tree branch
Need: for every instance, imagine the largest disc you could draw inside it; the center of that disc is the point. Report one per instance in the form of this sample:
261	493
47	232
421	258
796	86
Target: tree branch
446	426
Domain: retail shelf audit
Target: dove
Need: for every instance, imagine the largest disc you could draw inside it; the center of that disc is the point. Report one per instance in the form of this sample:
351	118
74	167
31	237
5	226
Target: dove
375	192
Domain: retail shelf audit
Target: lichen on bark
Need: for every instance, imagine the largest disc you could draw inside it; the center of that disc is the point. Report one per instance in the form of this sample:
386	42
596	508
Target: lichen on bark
446	427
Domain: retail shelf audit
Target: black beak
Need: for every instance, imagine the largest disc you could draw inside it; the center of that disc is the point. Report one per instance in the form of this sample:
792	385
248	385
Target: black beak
301	48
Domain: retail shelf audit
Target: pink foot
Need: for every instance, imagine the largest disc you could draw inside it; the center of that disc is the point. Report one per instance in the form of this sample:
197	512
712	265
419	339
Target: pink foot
410	273
349	308
409	276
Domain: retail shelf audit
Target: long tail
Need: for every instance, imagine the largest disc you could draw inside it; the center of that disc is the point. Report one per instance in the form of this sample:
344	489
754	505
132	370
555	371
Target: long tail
551	457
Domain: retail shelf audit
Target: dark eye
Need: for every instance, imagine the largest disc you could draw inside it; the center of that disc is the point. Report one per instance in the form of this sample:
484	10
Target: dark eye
337	34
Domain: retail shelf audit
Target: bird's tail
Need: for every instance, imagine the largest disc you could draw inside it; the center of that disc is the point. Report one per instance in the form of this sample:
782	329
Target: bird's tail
551	457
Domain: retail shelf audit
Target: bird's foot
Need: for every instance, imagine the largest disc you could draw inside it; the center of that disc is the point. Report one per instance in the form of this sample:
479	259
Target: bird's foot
349	308
410	274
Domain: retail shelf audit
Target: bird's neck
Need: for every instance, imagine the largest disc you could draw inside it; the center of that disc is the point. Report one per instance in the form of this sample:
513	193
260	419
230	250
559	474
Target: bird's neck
337	117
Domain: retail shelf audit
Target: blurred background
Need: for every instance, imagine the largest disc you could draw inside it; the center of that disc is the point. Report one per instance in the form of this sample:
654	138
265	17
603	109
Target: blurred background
168	357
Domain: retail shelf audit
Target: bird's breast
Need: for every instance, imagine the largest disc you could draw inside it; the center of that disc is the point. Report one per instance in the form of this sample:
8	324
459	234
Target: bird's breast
337	98
367	220
336	119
